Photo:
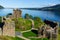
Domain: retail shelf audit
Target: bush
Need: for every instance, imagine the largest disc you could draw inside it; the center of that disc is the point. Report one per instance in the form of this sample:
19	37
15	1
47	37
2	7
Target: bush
8	14
27	16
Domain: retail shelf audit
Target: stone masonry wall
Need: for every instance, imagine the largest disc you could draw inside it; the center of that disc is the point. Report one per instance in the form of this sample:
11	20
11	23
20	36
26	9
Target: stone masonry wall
9	28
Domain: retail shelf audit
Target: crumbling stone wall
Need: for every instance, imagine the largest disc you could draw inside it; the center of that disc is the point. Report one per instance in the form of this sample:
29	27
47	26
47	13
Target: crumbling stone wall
9	28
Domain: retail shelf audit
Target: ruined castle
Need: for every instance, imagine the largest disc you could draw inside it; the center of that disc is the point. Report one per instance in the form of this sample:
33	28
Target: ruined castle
16	14
49	30
7	27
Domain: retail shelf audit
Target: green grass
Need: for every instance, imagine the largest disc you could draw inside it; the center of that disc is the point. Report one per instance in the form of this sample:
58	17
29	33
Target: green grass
36	39
10	38
58	36
29	34
39	39
22	24
17	38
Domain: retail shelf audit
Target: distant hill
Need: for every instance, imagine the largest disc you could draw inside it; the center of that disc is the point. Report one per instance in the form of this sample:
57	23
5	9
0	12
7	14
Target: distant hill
1	7
50	8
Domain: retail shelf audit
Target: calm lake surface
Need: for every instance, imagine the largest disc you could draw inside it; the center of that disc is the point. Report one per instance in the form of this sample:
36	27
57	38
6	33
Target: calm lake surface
53	16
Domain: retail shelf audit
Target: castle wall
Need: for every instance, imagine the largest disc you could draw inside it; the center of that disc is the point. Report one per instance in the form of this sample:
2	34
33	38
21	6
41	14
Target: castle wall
9	28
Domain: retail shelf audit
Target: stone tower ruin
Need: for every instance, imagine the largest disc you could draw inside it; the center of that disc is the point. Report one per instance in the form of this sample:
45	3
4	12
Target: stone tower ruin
17	13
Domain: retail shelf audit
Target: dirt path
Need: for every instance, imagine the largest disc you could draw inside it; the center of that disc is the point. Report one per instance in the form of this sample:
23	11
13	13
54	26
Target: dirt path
25	31
23	37
32	22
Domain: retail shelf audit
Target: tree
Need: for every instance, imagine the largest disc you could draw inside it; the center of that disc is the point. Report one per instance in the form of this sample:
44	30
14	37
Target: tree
9	14
0	19
38	22
1	7
27	16
31	17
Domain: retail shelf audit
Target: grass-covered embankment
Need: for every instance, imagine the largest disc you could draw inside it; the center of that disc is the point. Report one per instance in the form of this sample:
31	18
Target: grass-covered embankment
22	24
29	34
10	38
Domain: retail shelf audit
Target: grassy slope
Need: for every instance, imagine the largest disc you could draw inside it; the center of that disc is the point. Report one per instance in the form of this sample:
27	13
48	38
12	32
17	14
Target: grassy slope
25	24
22	24
58	36
10	38
29	34
59	33
39	39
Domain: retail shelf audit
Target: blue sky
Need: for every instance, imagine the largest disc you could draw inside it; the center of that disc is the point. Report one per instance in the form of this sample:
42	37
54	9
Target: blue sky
28	3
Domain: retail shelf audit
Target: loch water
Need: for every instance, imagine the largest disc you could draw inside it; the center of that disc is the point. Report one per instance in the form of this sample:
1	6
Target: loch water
48	15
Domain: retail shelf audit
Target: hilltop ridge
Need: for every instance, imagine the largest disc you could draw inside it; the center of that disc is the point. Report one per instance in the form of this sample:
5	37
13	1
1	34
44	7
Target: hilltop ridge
1	7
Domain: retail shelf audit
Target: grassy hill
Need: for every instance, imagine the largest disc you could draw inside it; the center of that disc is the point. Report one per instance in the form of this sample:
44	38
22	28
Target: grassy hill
1	7
22	24
50	8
